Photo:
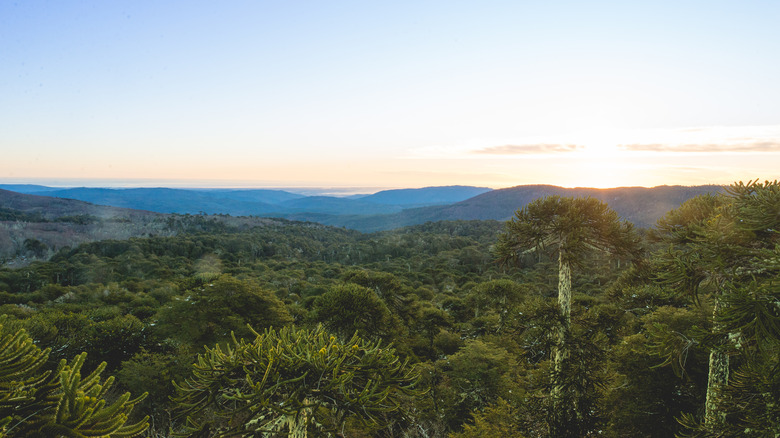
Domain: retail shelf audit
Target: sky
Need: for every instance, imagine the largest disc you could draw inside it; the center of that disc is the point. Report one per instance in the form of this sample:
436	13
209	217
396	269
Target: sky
269	93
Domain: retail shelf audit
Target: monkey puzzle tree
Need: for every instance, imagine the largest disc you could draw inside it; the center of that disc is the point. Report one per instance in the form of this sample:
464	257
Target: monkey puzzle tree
705	249
570	227
725	248
62	403
293	382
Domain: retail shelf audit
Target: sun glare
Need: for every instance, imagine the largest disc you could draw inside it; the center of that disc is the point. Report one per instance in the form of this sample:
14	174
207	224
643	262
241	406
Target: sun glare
598	162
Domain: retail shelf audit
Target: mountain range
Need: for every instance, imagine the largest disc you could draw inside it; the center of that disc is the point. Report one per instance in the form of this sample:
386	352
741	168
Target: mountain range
379	211
640	205
35	224
255	202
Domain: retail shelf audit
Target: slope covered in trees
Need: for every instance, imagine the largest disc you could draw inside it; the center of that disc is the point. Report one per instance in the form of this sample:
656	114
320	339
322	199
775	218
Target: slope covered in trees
419	331
37	227
384	210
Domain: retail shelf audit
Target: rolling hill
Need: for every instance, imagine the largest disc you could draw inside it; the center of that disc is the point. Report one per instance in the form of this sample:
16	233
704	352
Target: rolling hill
35	227
425	196
382	211
640	205
165	200
256	202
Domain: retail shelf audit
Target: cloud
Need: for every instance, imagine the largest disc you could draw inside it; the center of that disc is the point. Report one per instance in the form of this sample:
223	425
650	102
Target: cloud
528	149
745	146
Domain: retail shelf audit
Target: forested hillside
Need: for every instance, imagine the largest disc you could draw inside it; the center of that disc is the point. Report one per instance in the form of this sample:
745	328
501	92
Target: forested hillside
254	202
639	205
37	227
384	210
567	321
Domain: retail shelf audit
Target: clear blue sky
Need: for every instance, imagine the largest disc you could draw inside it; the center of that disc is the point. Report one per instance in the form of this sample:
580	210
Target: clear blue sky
390	94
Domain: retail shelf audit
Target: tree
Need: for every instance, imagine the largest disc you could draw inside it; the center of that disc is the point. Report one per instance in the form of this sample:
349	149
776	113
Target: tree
20	361
646	400
498	420
497	295
725	247
477	375
348	308
60	402
570	227
389	288
294	382
211	311
751	312
704	251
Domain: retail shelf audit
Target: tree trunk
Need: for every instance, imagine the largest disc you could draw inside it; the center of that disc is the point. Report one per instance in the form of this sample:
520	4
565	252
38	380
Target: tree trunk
718	378
298	424
560	409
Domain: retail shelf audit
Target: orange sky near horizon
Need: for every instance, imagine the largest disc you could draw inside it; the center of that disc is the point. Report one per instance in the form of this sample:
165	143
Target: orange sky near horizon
403	94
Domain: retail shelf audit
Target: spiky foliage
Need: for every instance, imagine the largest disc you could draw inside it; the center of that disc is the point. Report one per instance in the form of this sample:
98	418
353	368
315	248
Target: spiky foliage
498	420
57	404
20	362
293	381
726	249
705	249
570	228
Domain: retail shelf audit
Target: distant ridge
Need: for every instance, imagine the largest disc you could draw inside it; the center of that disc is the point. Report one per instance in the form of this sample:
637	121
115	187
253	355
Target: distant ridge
398	208
49	224
256	202
640	205
49	208
27	188
332	205
165	200
425	196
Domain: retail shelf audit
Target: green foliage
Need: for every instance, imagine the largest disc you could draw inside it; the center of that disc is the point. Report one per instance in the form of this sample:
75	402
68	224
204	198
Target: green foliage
497	296
758	206
498	420
108	335
388	287
209	312
477	375
10	214
81	408
569	226
754	393
293	381
430	325
60	402
20	361
349	308
727	247
648	397
153	371
636	358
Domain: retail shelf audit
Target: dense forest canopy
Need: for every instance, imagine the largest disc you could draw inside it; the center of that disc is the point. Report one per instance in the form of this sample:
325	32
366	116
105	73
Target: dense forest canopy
249	327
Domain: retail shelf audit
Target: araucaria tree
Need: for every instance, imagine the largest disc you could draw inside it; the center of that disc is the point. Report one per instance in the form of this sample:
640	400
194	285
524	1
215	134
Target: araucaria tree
35	402
570	228
294	382
724	249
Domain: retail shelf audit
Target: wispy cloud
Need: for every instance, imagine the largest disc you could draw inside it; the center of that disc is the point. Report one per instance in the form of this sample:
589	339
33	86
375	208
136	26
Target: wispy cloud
529	149
743	146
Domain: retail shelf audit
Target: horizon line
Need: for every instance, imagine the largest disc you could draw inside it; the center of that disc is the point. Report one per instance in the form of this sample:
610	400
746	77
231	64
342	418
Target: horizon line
137	183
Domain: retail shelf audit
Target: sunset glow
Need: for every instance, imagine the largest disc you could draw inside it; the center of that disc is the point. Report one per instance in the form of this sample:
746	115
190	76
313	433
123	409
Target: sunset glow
352	94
